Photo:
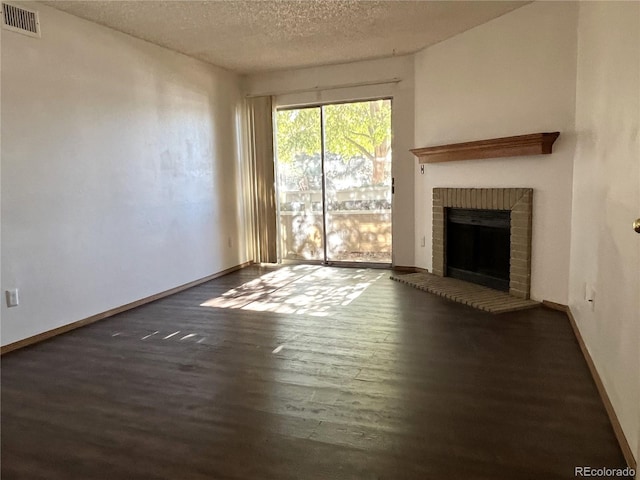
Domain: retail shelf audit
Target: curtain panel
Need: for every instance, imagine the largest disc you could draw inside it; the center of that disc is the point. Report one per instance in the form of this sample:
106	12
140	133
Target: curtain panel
261	152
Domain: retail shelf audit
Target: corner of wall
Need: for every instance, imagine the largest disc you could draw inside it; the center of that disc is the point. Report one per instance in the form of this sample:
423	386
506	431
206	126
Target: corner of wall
121	172
605	254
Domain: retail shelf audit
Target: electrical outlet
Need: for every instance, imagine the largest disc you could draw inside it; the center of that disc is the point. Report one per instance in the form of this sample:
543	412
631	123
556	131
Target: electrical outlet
13	300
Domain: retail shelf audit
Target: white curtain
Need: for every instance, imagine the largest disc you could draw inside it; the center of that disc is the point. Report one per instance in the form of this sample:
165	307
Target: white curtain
260	116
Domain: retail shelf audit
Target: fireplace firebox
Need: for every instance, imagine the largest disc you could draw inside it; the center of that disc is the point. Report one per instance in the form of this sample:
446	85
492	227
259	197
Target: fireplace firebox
518	202
478	246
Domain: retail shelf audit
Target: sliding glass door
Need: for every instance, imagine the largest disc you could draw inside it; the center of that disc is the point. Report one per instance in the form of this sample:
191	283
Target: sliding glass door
334	182
300	198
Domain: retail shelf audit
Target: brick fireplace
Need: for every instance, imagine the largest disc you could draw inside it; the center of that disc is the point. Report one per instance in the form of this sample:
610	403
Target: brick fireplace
518	201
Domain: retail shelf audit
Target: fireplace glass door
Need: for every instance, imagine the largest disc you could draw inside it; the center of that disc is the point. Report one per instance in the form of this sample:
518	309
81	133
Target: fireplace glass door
478	246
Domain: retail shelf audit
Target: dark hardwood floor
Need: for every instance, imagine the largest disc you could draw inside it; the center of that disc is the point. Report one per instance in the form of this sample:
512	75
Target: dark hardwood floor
306	373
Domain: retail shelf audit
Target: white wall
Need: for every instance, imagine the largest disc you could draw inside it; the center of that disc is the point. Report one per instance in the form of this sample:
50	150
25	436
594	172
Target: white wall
286	86
121	172
511	76
605	252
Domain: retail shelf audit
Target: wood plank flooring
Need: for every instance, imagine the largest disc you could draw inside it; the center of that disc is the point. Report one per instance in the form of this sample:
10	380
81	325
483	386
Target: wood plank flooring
305	372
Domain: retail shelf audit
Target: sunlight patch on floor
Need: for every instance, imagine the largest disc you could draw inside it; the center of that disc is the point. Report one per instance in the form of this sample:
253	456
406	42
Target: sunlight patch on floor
301	289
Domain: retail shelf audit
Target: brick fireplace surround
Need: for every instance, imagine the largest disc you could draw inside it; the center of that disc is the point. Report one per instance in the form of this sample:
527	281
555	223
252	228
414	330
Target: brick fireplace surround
518	200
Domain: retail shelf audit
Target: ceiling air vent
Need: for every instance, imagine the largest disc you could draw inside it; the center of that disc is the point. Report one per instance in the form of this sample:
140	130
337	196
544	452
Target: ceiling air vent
21	20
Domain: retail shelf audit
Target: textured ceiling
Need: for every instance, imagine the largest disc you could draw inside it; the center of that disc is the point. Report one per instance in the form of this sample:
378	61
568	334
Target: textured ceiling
263	35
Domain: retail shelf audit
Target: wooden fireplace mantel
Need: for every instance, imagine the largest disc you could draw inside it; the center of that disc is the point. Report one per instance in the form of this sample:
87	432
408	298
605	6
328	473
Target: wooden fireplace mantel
520	145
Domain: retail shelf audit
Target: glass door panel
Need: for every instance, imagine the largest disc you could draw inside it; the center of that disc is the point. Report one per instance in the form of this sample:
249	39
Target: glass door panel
357	142
300	199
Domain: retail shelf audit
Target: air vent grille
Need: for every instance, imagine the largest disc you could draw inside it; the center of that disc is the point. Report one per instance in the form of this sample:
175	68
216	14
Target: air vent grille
20	20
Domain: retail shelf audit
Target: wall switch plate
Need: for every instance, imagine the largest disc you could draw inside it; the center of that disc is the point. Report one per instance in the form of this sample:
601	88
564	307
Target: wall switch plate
12	298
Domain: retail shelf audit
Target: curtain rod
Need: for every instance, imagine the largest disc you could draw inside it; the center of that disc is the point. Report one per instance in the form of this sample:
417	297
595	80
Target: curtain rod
321	89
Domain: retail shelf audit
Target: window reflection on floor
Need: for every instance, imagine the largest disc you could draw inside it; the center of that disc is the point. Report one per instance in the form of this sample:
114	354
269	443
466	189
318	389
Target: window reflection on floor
301	289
